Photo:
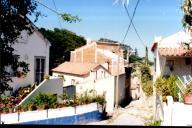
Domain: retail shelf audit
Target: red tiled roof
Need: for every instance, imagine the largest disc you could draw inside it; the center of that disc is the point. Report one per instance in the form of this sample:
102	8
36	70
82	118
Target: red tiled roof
75	68
175	52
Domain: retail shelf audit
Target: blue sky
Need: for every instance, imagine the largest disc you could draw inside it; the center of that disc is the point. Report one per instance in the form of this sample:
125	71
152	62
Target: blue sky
101	18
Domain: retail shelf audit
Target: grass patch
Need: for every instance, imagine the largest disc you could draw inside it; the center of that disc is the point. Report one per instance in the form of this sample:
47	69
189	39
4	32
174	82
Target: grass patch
153	123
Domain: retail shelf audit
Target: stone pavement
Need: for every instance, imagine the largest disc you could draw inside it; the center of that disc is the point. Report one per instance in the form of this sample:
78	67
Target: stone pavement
137	113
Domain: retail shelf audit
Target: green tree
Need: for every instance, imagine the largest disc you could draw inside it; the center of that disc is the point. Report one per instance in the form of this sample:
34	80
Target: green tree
134	59
187	18
62	42
13	20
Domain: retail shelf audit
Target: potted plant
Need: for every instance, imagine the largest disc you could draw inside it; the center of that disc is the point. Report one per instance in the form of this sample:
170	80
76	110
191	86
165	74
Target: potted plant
46	77
188	94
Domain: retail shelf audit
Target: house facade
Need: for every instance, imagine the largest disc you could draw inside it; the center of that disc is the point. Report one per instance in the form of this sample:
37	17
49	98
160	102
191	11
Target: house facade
93	67
104	53
173	55
34	50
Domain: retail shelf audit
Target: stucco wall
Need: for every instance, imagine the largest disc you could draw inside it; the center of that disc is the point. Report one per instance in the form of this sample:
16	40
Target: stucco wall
68	78
160	65
180	68
82	79
53	86
106	86
100	86
30	47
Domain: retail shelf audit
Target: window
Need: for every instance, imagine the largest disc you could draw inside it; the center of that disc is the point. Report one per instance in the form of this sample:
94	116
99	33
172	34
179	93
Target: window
170	64
72	81
95	75
39	69
187	61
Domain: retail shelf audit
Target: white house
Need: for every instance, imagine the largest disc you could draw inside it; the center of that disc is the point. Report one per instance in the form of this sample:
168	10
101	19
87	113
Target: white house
80	77
94	66
34	50
173	55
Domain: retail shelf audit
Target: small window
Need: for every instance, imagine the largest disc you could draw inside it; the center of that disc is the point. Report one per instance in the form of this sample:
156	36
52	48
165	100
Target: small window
72	81
187	61
170	64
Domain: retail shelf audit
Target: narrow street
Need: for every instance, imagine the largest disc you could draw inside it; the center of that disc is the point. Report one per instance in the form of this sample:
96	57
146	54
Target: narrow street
138	112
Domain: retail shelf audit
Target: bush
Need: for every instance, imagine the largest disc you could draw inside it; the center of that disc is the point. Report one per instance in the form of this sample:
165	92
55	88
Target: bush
146	79
148	88
145	73
167	87
153	123
100	100
84	98
45	99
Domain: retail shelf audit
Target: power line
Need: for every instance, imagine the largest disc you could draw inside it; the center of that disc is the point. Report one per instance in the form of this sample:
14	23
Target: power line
131	21
134	26
47	7
57	14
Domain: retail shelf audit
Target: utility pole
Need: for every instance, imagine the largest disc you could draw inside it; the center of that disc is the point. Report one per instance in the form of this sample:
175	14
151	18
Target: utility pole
146	54
117	80
127	55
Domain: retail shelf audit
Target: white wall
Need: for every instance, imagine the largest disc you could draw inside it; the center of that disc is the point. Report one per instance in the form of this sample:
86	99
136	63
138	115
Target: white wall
52	113
30	47
160	65
82	79
100	85
106	86
53	86
68	78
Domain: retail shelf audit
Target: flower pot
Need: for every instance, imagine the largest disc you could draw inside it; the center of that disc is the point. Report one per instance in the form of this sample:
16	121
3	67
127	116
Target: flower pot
188	99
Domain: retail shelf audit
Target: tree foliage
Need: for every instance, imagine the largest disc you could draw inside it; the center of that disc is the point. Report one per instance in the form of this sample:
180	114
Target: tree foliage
134	59
166	86
187	18
69	18
13	19
62	42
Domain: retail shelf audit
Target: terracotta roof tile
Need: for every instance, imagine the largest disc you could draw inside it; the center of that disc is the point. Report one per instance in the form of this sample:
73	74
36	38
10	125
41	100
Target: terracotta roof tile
175	52
75	68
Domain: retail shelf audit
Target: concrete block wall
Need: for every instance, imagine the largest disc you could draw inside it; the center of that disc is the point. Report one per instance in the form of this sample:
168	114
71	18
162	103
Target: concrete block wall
53	86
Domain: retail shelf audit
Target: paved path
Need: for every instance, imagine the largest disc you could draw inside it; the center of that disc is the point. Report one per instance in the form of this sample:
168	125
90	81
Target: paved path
127	119
136	113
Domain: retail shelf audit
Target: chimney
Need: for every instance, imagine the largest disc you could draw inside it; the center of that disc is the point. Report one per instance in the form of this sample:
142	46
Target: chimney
88	41
158	39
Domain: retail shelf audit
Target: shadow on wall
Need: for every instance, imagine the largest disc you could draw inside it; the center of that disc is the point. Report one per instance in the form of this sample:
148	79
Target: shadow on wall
128	97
